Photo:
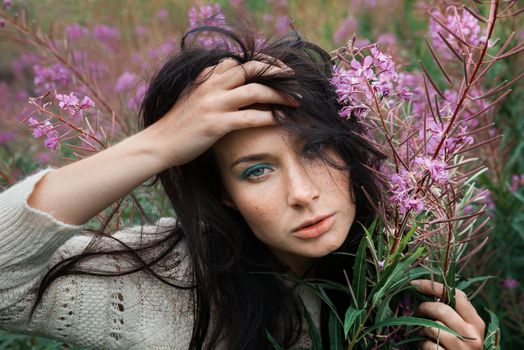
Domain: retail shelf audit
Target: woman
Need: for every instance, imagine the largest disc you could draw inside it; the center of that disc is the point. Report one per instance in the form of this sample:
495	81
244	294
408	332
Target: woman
263	176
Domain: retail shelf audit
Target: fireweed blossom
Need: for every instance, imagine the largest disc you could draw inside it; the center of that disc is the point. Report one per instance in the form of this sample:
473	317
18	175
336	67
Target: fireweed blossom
6	137
67	102
50	77
466	24
75	31
510	283
404	192
208	15
45	128
72	104
516	182
365	78
125	81
345	30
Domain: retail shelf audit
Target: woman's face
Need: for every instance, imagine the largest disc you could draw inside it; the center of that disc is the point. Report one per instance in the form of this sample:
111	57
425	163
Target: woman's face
300	207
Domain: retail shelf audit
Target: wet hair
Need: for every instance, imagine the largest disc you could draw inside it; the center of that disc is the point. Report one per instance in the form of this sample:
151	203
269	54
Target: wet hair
231	286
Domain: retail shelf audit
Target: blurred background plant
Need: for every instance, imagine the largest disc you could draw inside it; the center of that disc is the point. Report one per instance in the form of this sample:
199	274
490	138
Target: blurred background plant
72	75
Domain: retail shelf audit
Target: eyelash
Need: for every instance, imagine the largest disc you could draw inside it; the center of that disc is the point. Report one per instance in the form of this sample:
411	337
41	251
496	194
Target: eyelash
251	170
314	148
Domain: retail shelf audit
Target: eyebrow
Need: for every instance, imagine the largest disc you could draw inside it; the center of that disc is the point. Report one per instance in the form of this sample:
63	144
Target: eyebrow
250	158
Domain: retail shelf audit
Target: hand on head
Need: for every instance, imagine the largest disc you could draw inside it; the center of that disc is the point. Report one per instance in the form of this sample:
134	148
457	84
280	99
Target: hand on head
223	102
464	320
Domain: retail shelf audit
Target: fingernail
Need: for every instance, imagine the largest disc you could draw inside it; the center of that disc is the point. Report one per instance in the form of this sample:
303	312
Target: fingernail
415	283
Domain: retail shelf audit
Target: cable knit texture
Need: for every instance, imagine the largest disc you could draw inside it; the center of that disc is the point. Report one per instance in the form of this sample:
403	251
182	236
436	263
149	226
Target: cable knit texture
136	311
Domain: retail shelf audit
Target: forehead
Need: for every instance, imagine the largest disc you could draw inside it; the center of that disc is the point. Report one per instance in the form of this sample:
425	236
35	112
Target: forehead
266	139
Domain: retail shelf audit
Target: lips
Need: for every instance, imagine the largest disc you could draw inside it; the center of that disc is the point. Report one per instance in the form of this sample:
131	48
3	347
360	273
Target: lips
315	227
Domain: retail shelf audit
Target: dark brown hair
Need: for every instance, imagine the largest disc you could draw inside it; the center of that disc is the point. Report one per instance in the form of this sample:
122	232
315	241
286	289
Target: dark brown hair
229	264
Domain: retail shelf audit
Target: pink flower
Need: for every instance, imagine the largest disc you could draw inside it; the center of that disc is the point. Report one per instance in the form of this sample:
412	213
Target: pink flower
436	168
76	31
282	24
206	15
141	30
516	182
364	68
67	102
51	77
267	18
45	128
51	142
405	94
468	209
387	39
382	60
485	197
135	101
510	283
86	103
42	157
106	33
8	4
467	25
6	137
162	14
125	81
402	192
346	29
37	131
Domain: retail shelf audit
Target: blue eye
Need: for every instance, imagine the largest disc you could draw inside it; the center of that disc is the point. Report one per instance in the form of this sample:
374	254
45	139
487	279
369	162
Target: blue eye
255	171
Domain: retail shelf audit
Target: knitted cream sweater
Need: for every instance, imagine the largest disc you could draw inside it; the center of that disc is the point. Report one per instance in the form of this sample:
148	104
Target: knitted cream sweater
135	311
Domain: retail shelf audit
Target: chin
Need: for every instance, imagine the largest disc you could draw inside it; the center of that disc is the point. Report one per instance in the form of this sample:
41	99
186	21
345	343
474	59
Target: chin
325	248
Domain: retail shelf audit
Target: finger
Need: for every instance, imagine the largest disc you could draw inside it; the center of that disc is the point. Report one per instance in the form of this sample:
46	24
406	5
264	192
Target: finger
271	60
462	304
429	345
442	337
238	75
248	118
225	64
444	313
249	94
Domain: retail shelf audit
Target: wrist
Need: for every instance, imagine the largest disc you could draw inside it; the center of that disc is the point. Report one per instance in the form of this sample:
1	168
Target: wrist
147	144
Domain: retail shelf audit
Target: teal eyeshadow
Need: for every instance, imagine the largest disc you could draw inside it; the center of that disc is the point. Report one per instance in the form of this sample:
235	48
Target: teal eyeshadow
249	170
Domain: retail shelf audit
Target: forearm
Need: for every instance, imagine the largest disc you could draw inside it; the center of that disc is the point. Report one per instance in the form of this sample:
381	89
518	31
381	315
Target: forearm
78	191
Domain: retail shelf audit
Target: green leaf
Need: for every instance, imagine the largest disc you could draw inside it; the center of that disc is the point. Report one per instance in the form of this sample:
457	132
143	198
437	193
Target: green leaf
324	297
351	315
383	309
407	238
450	283
492	340
359	273
394	275
273	341
314	335
411	321
518	196
467	283
336	338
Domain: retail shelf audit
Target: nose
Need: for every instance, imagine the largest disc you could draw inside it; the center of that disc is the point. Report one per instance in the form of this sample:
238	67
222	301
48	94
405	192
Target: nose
301	190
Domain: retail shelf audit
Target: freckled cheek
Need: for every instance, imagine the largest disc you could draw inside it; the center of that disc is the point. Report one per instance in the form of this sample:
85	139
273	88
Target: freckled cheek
260	213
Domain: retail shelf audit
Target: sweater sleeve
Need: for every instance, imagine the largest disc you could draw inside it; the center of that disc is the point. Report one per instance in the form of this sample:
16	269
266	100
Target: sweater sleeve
123	312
